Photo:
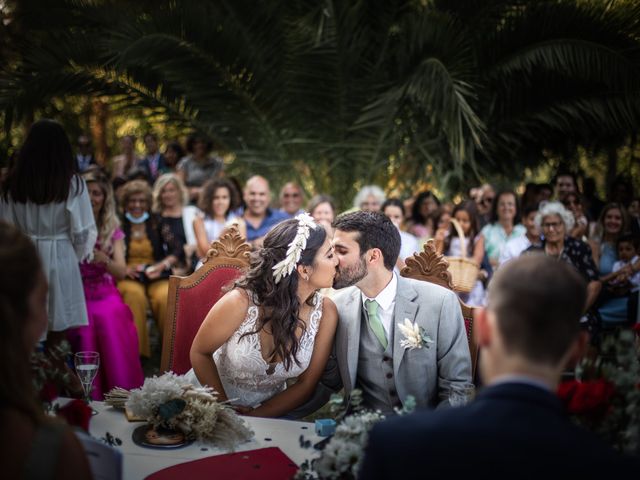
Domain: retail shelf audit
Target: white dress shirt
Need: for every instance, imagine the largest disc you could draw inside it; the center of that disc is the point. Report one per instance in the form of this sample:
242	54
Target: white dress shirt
386	303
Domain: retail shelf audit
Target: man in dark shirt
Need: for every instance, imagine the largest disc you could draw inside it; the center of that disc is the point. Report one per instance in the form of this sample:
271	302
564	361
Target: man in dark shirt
516	427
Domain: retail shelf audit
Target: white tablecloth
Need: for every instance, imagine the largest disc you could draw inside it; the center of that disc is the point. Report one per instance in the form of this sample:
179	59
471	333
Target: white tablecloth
140	461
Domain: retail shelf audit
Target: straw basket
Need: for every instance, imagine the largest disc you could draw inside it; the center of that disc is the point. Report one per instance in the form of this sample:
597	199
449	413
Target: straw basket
464	271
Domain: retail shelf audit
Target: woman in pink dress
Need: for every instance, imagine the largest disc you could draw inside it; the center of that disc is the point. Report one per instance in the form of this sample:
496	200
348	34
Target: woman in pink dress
111	330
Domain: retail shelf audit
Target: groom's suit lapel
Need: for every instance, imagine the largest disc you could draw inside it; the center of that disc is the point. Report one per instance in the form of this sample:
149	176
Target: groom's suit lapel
405	308
351	324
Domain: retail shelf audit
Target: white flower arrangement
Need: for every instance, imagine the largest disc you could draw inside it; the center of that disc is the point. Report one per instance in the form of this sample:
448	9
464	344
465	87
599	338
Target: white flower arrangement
414	335
284	268
170	401
343	454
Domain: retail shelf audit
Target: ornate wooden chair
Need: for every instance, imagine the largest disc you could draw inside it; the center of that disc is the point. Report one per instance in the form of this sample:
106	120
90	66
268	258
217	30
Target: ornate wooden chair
191	297
431	266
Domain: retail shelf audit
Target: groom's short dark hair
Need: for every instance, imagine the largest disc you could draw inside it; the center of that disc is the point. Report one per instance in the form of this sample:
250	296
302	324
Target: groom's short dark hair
538	302
375	231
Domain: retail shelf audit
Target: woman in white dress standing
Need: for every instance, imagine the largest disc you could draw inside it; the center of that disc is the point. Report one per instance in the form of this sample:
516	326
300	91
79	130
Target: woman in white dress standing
273	325
44	197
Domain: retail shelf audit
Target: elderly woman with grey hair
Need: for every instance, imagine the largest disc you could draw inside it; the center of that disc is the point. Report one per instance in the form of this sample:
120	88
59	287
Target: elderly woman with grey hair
555	222
370	198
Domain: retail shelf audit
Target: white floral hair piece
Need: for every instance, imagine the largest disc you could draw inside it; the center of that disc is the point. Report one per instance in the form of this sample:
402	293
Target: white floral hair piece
296	247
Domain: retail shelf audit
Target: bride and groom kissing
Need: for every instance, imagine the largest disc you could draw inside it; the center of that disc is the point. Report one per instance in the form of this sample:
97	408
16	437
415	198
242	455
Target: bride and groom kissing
274	325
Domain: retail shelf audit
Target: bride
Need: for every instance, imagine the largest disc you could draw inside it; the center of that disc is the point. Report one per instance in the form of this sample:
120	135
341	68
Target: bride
273	325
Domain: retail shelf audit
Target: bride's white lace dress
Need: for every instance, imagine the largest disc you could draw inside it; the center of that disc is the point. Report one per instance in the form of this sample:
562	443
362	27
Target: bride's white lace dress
246	377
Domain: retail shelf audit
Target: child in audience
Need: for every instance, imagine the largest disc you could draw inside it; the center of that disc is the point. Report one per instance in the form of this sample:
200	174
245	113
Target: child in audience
466	216
627	246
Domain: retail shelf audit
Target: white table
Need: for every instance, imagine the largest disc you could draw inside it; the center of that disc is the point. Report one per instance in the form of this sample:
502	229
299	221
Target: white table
140	461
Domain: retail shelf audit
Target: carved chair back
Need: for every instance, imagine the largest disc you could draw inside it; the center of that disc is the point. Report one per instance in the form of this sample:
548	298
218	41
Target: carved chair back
431	266
191	297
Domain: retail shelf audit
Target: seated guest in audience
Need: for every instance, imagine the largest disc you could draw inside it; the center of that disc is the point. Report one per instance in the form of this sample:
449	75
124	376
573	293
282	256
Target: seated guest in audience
466	214
111	330
370	199
84	156
628	262
173	153
122	164
545	192
530	196
257	214
291	199
421	222
217	201
516	426
612	224
573	202
442	222
170	199
514	247
485	203
504	225
322	209
555	222
199	165
152	165
151	252
394	210
565	182
33	445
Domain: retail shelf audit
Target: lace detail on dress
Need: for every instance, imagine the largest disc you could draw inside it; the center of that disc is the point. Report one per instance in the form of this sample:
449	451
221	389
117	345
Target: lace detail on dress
245	375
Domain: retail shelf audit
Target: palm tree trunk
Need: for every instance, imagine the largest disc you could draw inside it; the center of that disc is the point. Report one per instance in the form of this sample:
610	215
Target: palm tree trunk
98	125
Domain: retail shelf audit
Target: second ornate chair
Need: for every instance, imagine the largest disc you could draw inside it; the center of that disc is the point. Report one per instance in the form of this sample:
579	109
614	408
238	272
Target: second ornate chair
433	267
191	298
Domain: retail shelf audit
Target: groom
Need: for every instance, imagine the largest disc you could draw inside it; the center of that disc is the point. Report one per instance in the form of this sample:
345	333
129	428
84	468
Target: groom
370	344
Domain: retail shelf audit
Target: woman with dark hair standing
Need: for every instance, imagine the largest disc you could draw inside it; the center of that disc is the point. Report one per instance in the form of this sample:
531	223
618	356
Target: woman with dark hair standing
273	326
47	200
32	445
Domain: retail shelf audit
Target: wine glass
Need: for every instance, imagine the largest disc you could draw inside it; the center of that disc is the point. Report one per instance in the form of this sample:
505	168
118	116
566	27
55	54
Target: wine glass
87	364
461	393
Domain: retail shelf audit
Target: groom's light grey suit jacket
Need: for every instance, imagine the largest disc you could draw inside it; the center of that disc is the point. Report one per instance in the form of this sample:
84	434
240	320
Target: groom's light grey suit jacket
425	373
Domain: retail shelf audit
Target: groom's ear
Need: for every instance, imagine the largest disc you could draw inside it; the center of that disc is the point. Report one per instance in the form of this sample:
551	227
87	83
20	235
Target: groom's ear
375	255
481	327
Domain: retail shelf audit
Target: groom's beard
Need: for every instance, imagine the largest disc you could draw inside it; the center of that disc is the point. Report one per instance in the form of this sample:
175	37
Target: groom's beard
348	276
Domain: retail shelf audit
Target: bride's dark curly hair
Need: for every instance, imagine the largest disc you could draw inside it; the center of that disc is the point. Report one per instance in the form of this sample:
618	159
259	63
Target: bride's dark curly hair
278	303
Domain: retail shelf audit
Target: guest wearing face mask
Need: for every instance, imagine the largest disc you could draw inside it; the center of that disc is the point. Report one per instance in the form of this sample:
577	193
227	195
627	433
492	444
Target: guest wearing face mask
151	252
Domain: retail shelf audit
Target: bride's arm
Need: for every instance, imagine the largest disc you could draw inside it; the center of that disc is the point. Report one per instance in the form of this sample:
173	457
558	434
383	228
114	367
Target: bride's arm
301	391
221	322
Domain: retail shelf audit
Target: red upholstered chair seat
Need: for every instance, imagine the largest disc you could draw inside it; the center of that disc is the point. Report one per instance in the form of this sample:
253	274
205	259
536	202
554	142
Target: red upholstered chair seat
191	298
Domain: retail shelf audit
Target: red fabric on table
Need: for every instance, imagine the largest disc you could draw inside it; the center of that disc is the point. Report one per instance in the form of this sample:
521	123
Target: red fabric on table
264	463
192	307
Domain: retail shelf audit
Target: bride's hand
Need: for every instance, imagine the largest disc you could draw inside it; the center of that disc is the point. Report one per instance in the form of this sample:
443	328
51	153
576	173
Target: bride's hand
242	409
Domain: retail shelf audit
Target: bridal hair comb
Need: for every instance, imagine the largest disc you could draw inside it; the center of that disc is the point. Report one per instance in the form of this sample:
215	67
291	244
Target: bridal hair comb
296	247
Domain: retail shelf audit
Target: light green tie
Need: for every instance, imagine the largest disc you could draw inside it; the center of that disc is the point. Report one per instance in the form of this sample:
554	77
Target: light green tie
375	323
